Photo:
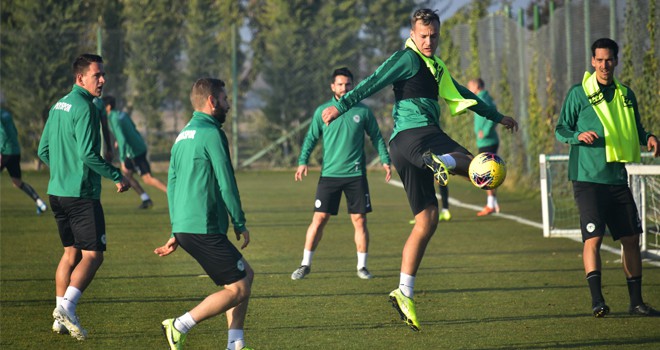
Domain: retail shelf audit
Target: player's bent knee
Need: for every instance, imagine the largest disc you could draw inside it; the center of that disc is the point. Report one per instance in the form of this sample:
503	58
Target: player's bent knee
241	289
249	275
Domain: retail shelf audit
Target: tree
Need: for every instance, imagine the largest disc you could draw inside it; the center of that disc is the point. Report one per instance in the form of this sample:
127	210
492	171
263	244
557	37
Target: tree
297	44
153	49
551	108
208	40
544	12
113	43
541	123
478	10
509	146
649	94
39	41
629	33
384	22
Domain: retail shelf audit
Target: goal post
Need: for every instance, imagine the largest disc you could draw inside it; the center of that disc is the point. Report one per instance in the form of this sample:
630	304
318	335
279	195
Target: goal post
644	181
557	206
560	214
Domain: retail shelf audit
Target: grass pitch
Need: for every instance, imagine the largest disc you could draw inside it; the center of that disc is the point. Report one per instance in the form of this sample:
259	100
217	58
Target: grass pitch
485	283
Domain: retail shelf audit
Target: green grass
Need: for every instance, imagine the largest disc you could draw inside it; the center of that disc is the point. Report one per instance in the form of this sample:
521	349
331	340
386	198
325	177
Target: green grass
485	283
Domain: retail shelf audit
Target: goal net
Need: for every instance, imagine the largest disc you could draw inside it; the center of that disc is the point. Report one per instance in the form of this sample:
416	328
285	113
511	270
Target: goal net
560	213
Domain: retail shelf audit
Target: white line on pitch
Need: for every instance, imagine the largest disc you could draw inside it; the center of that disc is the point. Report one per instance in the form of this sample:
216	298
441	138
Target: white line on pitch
457	203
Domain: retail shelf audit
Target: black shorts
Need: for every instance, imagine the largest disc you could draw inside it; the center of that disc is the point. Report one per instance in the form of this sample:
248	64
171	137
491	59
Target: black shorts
328	195
490	149
217	256
138	164
80	221
13	164
606	205
406	150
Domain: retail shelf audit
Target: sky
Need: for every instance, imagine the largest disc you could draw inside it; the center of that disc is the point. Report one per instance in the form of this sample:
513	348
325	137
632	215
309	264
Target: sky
452	6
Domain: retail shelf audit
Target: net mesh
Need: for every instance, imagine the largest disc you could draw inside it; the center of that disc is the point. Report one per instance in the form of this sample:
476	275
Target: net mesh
563	214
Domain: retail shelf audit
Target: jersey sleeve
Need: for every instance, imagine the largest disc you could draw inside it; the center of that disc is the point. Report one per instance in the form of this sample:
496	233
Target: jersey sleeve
86	129
171	187
376	137
218	151
4	137
641	132
120	134
311	138
565	130
400	66
43	151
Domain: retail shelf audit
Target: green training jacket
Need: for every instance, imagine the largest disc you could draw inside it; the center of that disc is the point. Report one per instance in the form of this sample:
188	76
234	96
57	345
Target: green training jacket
129	141
343	141
8	134
71	144
588	162
410	112
487	126
201	187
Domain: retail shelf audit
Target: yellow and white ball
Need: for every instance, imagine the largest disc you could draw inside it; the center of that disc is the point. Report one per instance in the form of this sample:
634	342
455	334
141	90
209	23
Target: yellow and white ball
487	171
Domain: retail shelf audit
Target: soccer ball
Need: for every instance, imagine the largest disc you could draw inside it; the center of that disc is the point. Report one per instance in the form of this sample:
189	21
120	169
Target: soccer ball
487	171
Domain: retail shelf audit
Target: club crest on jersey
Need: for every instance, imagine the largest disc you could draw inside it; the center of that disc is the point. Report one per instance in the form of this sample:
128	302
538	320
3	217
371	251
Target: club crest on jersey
356	118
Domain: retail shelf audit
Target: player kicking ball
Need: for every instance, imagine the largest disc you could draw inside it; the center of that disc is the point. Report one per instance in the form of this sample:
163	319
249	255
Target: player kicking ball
419	79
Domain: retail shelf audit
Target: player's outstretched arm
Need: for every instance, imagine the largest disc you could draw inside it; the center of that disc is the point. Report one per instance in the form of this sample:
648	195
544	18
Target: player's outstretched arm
329	114
168	248
509	123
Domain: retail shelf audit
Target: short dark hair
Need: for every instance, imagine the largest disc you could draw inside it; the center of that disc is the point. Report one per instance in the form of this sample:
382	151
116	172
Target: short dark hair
202	89
480	83
427	16
605	43
109	101
342	71
82	62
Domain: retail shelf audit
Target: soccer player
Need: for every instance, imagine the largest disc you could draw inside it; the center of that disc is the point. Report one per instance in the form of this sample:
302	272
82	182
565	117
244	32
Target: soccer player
132	151
10	158
70	145
487	139
344	170
202	195
417	143
601	123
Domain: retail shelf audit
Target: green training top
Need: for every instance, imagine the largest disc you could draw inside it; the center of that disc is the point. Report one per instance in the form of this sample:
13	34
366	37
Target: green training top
487	126
100	106
410	112
588	162
129	141
201	187
343	141
70	145
8	134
